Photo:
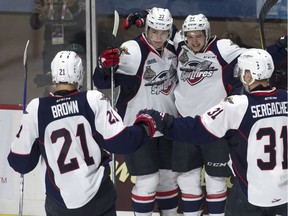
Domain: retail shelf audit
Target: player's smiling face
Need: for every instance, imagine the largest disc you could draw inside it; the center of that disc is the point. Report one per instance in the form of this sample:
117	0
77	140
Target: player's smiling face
157	38
196	40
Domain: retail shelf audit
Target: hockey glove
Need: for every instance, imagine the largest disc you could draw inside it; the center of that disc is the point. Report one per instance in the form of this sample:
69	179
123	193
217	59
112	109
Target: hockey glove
162	120
137	18
35	21
147	122
281	42
109	58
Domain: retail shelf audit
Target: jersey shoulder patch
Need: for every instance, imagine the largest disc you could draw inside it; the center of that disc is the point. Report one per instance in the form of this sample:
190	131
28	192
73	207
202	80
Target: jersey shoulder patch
104	97
229	99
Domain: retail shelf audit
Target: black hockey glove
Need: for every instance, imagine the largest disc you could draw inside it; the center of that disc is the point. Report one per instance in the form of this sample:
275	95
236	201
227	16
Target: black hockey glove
137	18
162	120
35	21
281	42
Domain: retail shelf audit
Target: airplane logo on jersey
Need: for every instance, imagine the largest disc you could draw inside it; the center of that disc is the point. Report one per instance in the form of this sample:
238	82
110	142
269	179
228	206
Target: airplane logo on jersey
161	83
275	200
229	100
104	97
123	51
194	71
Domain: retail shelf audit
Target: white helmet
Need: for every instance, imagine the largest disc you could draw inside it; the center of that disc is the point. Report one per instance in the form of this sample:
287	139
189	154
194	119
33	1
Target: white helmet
196	23
67	67
258	61
160	19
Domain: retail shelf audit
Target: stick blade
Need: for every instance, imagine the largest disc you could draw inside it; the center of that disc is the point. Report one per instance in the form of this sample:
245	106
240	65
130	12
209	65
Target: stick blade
268	4
116	23
25	53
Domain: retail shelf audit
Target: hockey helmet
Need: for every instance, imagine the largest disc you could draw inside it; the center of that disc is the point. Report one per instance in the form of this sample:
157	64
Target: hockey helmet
160	19
67	67
258	61
196	23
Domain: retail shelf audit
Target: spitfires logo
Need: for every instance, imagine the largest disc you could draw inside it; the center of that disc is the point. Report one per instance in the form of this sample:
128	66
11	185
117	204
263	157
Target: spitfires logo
194	71
161	83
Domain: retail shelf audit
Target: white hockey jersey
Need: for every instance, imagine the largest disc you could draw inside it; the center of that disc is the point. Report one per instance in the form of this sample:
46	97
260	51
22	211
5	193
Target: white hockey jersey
205	78
147	79
256	126
71	133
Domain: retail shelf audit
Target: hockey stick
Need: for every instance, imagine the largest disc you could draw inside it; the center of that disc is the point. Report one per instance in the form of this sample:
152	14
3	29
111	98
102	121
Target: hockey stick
21	195
25	76
114	34
24	112
268	4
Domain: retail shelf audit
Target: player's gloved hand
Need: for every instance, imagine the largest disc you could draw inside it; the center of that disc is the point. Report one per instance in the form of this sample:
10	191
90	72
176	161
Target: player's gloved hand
148	122
162	120
281	42
35	21
137	18
109	57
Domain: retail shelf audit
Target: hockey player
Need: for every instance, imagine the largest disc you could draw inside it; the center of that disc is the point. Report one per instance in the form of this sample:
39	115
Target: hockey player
72	132
146	74
205	72
279	52
256	126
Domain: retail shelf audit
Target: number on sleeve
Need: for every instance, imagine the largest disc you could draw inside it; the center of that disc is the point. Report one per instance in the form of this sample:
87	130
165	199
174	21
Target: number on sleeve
213	114
111	117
